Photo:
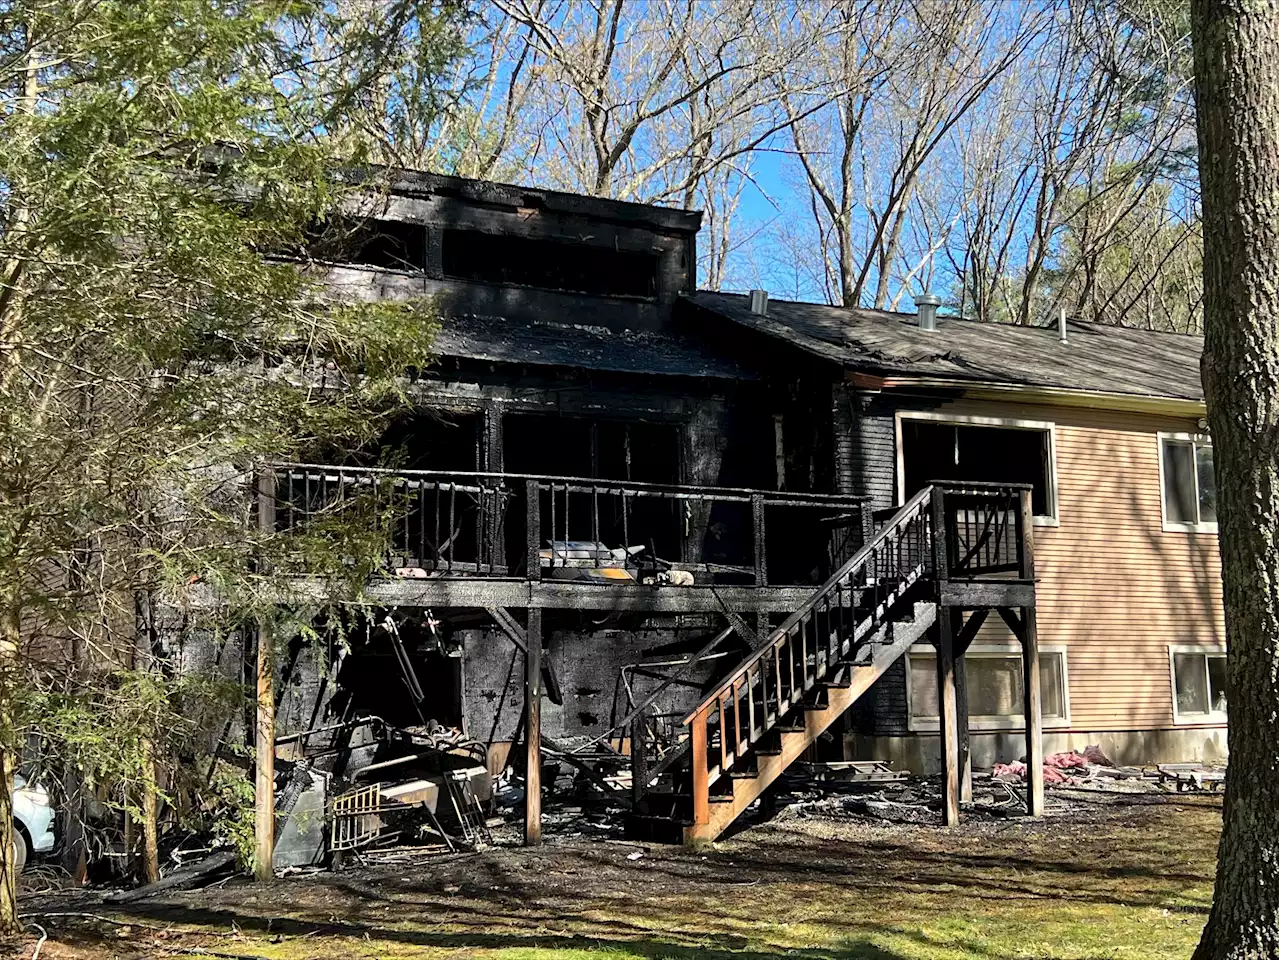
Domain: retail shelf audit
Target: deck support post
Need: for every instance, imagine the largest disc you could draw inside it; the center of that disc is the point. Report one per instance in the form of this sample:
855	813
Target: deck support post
962	724
264	786
948	734
1030	663
1031	713
533	729
639	758
758	540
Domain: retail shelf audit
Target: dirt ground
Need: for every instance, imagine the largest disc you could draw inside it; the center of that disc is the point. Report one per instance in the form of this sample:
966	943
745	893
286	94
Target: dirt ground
1104	875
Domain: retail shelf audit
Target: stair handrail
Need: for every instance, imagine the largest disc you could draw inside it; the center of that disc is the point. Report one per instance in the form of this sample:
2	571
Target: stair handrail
905	513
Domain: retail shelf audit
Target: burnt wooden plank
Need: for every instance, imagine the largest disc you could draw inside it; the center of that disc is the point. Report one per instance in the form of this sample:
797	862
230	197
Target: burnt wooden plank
986	593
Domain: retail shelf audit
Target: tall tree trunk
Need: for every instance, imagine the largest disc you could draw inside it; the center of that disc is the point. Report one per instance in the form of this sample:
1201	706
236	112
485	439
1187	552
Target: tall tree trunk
1238	123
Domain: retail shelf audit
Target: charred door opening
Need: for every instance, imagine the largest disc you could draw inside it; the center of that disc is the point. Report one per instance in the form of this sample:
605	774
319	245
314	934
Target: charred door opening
933	450
580	447
402	669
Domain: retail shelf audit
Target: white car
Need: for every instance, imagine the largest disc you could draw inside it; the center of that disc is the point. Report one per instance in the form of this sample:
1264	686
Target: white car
33	817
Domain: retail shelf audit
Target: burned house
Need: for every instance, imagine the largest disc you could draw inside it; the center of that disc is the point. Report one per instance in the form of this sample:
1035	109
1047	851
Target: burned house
708	534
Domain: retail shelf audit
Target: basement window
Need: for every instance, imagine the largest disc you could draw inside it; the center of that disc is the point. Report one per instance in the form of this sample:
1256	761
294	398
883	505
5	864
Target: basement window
1189	494
1199	685
549	264
979	450
993	676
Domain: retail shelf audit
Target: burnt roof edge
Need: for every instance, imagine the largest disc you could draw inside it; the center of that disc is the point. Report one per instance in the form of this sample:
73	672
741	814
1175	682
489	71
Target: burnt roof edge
899	375
411	182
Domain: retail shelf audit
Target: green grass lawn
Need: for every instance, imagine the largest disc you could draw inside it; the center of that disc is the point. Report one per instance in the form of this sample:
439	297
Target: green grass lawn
1121	881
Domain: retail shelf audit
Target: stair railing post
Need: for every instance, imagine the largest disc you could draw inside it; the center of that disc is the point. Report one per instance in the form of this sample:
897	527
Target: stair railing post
698	758
948	738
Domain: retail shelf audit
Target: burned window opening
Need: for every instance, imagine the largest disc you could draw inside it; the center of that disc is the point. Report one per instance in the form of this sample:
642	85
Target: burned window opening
418	440
549	264
386	244
933	450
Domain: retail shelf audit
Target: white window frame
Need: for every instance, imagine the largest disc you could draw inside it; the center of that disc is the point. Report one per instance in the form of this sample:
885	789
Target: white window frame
1052	518
1177	526
1213	717
982	723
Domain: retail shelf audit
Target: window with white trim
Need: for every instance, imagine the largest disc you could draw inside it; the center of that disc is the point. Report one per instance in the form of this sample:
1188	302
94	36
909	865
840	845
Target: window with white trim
1189	495
1199	685
993	678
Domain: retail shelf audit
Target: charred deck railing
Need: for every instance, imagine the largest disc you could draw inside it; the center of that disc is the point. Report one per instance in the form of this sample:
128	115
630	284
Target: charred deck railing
498	524
982	527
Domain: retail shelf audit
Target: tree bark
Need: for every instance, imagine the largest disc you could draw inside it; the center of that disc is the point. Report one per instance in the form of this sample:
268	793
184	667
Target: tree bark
1238	124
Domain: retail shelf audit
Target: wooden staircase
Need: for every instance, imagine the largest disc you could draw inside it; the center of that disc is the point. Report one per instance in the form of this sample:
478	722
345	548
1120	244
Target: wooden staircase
776	702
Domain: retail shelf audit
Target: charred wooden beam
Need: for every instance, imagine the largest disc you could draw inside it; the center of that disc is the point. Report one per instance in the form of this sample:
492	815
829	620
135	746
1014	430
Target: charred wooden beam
986	593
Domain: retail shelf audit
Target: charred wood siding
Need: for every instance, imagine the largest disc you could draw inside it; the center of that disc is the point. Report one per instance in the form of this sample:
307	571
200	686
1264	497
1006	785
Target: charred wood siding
864	445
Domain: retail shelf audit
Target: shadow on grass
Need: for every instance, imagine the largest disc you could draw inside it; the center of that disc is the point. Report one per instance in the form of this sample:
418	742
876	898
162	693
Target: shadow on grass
318	936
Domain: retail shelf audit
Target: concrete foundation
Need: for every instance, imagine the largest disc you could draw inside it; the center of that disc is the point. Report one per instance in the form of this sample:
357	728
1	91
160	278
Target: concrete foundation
919	753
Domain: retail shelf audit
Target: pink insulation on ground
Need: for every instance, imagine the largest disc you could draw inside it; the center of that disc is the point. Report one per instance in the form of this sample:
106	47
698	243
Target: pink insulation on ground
1054	765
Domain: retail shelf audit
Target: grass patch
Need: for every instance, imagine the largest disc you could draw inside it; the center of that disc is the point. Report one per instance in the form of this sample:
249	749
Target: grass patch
1132	882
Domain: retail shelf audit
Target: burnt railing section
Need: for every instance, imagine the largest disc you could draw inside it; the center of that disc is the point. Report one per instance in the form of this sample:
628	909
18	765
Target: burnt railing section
491	524
431	522
982	527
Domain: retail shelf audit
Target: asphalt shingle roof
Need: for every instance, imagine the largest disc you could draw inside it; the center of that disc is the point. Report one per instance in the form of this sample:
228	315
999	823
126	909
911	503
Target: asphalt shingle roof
1096	357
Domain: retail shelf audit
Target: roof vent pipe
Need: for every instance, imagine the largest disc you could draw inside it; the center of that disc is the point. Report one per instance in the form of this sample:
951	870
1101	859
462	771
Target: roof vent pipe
1062	324
927	308
760	302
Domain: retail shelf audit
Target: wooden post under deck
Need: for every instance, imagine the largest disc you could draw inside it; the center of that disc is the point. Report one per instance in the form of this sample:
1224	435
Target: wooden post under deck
264	789
1030	665
948	735
533	729
962	724
1031	713
264	786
